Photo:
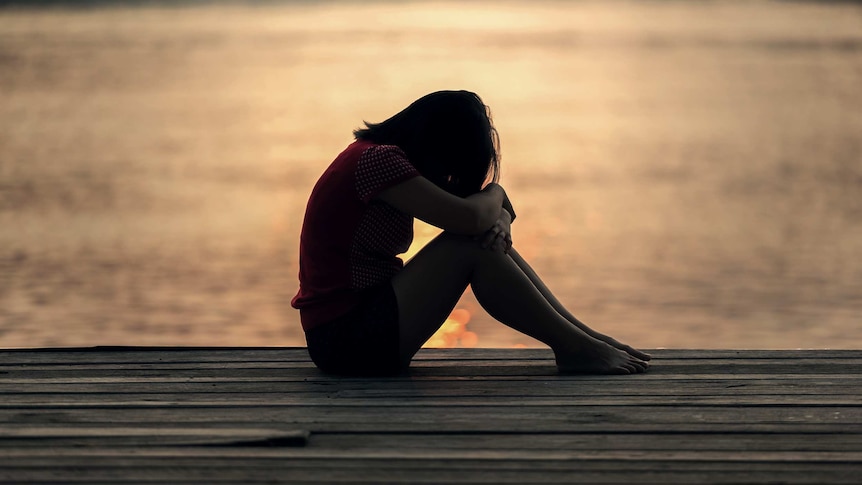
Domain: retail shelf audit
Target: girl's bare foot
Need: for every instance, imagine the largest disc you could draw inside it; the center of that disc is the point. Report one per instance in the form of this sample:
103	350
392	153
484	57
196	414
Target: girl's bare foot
599	358
619	345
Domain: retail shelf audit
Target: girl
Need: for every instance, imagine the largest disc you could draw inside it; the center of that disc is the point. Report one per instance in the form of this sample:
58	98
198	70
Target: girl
366	313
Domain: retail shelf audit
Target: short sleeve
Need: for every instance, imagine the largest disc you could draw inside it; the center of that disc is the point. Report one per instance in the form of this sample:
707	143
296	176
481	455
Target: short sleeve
380	167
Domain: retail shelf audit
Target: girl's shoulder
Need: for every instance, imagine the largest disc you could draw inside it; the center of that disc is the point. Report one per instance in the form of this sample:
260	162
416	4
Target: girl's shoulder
365	152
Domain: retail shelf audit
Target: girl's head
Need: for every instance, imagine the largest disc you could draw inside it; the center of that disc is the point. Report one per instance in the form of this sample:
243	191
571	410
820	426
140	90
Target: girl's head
448	136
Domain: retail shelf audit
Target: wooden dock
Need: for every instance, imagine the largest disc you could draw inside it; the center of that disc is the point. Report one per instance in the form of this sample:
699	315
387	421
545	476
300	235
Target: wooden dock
247	416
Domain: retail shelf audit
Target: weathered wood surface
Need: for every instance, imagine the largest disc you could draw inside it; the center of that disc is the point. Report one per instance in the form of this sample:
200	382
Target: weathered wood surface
245	416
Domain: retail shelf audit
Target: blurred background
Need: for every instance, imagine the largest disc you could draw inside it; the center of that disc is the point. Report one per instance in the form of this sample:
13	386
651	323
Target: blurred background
686	174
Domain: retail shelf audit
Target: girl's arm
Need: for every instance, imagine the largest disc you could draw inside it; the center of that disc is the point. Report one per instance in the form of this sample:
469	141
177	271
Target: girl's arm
469	216
499	236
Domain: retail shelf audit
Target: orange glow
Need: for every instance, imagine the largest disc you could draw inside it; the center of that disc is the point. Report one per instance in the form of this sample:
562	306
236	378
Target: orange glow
453	332
422	234
624	169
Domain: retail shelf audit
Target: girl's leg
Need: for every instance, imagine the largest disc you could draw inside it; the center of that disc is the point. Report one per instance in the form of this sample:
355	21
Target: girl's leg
431	283
540	285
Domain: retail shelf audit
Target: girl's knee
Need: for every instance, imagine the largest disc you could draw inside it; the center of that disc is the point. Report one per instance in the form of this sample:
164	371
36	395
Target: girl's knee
471	246
451	236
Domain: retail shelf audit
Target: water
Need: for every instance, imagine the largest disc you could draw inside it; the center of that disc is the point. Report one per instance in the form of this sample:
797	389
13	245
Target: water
687	174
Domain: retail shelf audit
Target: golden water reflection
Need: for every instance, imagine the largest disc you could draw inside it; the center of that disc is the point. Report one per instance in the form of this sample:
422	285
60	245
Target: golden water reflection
686	174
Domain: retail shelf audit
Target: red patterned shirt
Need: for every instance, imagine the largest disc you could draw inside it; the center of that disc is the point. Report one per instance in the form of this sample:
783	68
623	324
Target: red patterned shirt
350	241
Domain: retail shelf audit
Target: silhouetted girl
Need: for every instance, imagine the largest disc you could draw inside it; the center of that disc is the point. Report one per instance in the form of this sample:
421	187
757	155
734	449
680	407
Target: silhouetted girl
366	313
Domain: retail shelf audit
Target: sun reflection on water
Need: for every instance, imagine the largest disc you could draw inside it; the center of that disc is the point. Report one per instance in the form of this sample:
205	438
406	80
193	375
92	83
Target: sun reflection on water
686	174
453	332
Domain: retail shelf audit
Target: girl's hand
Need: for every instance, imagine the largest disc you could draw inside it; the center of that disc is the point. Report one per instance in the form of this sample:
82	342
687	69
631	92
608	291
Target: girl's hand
499	237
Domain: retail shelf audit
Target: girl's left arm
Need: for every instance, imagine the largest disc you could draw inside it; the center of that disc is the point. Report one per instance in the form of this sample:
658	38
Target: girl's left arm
499	237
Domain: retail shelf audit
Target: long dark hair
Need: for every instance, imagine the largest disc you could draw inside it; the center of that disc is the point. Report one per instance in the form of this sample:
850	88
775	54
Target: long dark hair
448	136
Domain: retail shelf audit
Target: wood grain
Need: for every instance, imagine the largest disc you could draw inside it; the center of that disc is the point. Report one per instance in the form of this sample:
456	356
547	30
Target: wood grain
266	415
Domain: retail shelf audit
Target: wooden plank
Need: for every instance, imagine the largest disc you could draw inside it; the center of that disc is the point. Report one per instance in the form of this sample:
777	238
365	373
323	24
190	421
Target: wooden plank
133	355
471	418
388	388
176	435
203	454
648	379
759	366
211	399
610	468
596	441
695	354
273	456
449	371
548	385
467	357
162	436
430	357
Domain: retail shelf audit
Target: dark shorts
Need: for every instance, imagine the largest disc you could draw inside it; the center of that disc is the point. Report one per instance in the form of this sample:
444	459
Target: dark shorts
364	342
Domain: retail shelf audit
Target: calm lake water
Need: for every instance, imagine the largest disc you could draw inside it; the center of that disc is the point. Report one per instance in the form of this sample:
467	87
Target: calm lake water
686	174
